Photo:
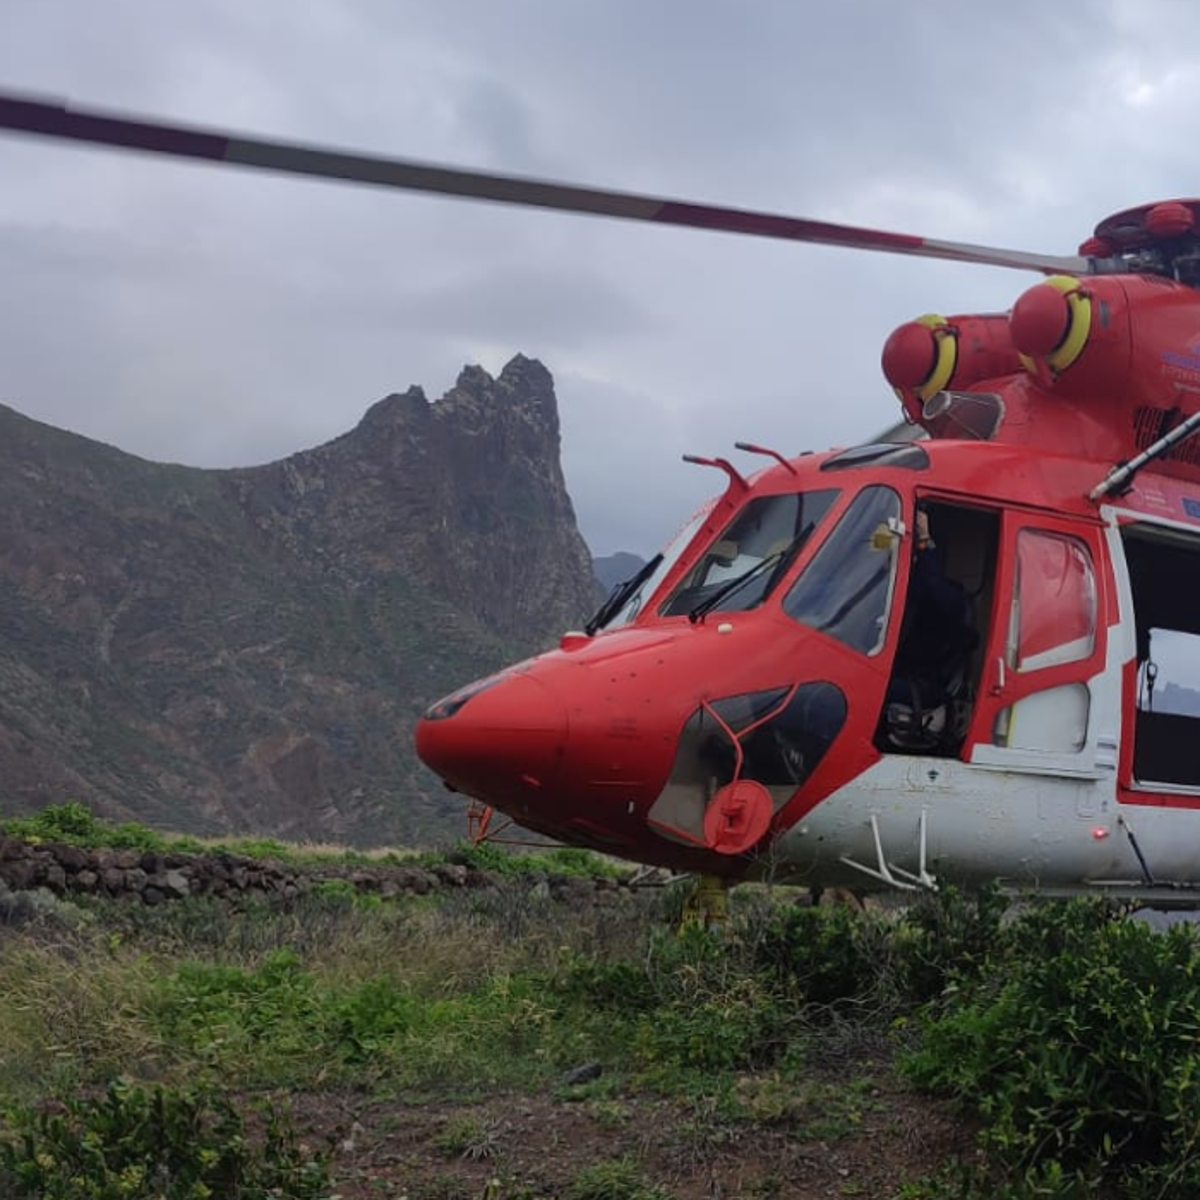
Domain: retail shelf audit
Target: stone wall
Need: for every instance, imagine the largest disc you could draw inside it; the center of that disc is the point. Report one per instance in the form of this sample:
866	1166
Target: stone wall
154	878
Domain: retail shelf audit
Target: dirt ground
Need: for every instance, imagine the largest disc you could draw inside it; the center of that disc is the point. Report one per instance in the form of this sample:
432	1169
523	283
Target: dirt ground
522	1147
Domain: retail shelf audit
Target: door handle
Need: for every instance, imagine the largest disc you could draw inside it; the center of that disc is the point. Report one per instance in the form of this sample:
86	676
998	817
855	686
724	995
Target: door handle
1001	676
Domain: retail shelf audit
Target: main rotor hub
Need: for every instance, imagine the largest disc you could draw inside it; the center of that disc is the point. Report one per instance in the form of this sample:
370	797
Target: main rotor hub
1148	225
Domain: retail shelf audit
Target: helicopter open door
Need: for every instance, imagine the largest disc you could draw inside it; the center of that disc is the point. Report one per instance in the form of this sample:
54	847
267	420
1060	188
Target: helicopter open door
948	602
1048	702
1164	572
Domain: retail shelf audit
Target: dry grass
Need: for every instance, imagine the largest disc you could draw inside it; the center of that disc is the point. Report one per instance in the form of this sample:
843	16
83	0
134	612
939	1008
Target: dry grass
74	1012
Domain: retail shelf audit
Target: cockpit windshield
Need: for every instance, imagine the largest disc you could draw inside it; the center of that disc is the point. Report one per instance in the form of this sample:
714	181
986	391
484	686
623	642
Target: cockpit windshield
767	528
632	604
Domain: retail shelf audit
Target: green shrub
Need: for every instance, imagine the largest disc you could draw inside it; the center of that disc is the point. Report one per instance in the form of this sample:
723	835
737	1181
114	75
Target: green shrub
619	987
133	1144
129	835
71	820
712	1013
262	847
334	889
820	955
738	1028
57	822
1078	1050
368	1018
76	823
946	936
260	1023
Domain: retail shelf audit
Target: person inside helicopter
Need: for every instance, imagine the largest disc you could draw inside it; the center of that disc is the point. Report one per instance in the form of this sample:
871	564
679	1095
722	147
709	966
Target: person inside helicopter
928	706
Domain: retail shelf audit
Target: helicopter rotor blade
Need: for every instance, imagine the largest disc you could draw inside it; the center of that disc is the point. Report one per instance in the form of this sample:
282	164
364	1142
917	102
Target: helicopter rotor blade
41	118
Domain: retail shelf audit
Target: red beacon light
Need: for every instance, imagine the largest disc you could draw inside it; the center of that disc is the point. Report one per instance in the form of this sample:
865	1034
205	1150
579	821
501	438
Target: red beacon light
1097	247
1170	219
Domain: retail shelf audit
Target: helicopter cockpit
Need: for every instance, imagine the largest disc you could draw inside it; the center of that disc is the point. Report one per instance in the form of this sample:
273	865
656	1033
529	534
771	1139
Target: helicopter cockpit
845	540
750	555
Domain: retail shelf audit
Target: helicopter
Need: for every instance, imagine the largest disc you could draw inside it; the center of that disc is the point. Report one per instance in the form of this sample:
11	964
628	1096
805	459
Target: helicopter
967	652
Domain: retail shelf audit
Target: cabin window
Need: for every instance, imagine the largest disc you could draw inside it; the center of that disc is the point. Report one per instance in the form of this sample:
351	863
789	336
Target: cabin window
1164	575
846	590
757	547
1054	611
775	737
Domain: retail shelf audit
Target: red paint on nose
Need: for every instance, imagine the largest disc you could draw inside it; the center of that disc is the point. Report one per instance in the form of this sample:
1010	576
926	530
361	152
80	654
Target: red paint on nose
507	740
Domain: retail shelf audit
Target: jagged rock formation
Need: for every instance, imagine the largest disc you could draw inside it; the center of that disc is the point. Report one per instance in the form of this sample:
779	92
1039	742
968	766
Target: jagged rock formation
247	650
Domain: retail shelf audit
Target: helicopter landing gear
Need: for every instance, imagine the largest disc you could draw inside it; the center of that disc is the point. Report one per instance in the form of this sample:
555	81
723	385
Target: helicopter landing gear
708	904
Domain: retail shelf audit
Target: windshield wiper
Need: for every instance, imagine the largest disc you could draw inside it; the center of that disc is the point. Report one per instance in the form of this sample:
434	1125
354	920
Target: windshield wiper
732	585
619	595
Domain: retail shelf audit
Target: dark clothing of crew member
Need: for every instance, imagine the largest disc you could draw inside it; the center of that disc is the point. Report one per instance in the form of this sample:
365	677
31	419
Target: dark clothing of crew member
924	710
938	632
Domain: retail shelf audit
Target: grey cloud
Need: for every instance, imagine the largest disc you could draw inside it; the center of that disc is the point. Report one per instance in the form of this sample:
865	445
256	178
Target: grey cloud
212	317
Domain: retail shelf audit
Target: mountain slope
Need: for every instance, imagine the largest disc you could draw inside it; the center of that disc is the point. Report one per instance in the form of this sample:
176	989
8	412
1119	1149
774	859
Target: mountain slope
248	650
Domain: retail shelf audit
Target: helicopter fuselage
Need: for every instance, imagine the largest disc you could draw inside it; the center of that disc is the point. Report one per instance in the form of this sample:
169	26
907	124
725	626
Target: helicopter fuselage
751	708
626	741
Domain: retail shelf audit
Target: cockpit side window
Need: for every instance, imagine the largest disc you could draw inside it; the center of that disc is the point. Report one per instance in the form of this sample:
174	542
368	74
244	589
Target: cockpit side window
751	553
846	590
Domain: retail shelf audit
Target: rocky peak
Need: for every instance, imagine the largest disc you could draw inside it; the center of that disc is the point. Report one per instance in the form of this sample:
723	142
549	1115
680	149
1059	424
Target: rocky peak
395	409
458	490
474	381
521	398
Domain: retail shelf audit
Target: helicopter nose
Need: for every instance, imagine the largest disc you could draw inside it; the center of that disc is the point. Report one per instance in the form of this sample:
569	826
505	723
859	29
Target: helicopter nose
506	738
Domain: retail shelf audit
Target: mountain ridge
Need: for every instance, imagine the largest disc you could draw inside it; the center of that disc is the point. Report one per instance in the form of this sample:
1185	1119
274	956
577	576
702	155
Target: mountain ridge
247	649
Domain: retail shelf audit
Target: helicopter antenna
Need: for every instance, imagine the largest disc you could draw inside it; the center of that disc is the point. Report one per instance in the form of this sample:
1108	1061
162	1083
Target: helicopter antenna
74	123
751	448
722	464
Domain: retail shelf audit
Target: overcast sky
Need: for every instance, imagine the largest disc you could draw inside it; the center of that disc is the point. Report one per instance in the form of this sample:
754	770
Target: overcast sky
217	318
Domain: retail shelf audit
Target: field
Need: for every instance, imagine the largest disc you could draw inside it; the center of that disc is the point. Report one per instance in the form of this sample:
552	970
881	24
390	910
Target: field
504	1043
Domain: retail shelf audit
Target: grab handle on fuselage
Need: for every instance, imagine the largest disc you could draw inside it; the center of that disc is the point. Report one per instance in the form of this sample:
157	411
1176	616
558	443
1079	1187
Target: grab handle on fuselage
1001	676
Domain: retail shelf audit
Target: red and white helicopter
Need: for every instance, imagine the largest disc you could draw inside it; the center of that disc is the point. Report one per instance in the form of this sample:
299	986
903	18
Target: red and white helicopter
973	656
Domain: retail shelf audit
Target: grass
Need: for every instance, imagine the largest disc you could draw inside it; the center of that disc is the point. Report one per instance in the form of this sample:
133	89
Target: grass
317	992
779	1027
468	995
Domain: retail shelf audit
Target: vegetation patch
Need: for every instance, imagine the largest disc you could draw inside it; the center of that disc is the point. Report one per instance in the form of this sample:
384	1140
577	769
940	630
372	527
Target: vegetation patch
136	1144
1079	1049
498	1039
